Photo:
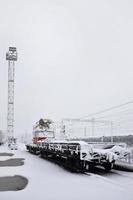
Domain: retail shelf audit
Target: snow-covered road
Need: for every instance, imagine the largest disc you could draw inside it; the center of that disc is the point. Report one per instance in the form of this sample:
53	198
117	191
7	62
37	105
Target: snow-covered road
48	181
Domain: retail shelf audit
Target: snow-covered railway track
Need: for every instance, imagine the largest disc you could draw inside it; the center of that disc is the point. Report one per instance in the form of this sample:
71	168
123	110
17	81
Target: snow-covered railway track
119	178
105	179
115	174
124	174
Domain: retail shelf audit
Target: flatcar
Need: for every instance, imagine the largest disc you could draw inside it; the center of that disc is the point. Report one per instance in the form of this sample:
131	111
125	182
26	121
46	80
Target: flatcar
76	155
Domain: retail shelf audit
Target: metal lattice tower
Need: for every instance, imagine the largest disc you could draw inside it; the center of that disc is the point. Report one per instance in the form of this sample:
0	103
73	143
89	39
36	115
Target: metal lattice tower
11	56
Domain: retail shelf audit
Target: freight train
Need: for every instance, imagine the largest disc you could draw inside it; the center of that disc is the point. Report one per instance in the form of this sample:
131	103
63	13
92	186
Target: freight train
77	156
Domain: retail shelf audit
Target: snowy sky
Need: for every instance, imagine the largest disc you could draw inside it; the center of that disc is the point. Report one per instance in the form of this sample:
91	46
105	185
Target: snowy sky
75	57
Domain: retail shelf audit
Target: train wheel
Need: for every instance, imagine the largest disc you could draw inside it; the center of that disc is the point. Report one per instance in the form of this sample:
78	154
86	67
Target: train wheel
87	167
108	166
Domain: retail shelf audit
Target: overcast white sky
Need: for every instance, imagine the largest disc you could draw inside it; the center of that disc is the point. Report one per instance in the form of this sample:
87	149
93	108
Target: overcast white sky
75	57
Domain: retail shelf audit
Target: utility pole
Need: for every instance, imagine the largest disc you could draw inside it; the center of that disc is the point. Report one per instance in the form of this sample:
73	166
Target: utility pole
11	57
93	127
112	132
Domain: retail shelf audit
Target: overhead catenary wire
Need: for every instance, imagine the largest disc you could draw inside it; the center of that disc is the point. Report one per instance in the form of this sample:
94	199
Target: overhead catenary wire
122	114
108	109
119	121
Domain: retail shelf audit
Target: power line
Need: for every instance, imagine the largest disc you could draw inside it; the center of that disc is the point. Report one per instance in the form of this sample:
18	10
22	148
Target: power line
123	113
108	109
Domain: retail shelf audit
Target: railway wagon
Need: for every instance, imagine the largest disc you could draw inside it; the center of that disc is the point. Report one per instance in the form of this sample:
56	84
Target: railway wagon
76	155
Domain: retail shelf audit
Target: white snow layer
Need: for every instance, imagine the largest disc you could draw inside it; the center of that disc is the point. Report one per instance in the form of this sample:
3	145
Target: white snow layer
48	181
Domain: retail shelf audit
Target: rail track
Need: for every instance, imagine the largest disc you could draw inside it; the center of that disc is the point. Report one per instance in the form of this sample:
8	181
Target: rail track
115	177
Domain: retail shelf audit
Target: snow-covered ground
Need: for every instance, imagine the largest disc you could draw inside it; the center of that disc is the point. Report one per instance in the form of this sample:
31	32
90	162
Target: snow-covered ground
48	181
